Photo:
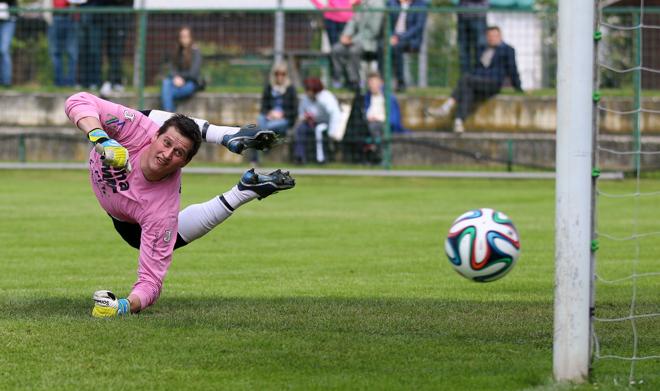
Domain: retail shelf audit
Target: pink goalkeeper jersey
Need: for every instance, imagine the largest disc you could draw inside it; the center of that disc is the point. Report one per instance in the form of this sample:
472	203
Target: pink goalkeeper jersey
130	197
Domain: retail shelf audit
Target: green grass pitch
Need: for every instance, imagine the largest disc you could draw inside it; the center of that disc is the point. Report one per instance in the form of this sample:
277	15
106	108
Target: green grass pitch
341	283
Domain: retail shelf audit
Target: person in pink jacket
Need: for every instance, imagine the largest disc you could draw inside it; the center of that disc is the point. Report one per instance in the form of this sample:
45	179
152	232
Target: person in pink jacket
335	21
135	172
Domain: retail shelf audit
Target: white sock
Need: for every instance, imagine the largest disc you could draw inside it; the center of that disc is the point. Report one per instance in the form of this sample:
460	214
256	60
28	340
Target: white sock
210	133
236	198
197	220
214	133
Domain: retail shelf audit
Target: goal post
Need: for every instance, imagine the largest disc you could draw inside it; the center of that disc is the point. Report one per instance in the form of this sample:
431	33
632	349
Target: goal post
573	220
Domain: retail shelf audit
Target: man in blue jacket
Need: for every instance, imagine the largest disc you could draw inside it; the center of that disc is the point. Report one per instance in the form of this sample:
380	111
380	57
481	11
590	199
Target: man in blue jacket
495	64
407	25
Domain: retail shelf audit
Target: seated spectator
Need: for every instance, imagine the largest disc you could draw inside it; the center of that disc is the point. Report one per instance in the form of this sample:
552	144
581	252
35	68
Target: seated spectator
334	21
318	114
360	36
184	77
279	103
496	62
407	33
374	107
7	29
63	42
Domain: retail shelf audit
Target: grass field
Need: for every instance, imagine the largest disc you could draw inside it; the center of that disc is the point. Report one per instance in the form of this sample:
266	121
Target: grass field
341	283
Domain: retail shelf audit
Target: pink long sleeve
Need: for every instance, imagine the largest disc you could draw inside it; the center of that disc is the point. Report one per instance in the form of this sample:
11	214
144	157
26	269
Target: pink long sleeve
337	16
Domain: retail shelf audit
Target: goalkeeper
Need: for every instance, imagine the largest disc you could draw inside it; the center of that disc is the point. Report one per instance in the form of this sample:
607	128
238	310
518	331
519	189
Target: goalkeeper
135	172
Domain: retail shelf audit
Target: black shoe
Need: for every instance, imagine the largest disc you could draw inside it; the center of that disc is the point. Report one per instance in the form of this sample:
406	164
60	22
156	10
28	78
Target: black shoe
250	136
266	184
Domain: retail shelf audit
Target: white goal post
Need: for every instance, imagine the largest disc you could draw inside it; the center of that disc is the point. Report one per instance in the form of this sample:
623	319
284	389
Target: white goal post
573	224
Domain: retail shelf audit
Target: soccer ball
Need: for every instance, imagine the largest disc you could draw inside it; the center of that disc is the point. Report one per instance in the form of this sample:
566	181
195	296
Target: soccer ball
482	245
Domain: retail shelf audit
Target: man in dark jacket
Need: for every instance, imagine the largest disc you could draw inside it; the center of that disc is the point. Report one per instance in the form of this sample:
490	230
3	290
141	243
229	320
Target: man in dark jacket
407	25
495	64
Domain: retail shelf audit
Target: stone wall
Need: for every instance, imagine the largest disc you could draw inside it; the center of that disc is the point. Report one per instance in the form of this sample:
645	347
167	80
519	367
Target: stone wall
504	113
525	150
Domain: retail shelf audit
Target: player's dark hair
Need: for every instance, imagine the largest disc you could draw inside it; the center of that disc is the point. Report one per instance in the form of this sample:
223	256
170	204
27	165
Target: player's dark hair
496	28
188	129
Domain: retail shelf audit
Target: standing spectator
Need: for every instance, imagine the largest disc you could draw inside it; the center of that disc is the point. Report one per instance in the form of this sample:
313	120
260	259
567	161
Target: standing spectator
407	34
334	21
103	31
7	28
496	63
63	42
374	106
471	34
360	36
318	113
279	103
184	67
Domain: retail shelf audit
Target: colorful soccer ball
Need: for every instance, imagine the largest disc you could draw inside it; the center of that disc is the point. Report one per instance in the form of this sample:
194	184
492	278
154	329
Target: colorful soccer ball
482	245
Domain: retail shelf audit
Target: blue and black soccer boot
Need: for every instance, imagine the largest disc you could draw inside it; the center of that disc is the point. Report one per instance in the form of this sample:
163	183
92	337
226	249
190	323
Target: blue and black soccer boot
266	184
250	136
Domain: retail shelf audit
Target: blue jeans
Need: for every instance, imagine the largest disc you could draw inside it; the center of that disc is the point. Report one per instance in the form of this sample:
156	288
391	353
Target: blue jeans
7	29
333	29
279	126
169	93
471	39
63	43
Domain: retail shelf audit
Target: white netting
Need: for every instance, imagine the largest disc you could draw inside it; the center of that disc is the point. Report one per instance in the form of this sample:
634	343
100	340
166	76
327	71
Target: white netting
628	259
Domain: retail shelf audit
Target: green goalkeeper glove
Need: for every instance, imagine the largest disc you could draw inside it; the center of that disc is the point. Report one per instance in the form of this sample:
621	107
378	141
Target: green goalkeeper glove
112	153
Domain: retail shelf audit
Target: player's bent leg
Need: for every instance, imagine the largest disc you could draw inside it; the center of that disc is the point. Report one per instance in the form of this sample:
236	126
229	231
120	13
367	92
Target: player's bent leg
197	220
106	305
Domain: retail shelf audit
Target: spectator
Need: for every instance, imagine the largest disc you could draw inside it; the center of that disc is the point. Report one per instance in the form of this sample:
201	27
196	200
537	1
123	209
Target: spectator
360	36
496	62
407	34
334	21
63	42
374	106
7	28
318	113
99	31
184	67
471	34
279	103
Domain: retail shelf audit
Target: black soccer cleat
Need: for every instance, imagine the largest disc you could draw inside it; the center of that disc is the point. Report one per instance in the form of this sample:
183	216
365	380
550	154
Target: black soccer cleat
250	136
266	184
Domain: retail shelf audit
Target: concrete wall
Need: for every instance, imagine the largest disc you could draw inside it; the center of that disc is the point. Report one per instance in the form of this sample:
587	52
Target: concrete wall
530	150
504	113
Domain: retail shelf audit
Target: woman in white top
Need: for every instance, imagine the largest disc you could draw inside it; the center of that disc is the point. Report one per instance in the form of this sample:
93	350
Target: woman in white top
318	113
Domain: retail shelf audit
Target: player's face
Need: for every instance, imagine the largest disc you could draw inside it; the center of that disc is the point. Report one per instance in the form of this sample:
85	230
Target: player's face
167	153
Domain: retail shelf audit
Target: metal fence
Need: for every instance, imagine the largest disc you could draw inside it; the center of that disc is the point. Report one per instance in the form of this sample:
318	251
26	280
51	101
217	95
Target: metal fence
124	52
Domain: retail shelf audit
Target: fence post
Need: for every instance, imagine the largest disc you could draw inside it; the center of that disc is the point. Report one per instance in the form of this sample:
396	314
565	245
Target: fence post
387	78
509	155
21	148
142	45
278	36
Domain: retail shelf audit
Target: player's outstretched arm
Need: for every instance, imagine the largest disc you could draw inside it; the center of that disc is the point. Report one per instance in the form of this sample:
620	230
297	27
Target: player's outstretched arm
234	138
83	111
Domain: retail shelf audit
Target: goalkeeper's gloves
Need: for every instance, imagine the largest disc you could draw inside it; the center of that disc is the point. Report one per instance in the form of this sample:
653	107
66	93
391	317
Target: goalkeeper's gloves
107	305
112	153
